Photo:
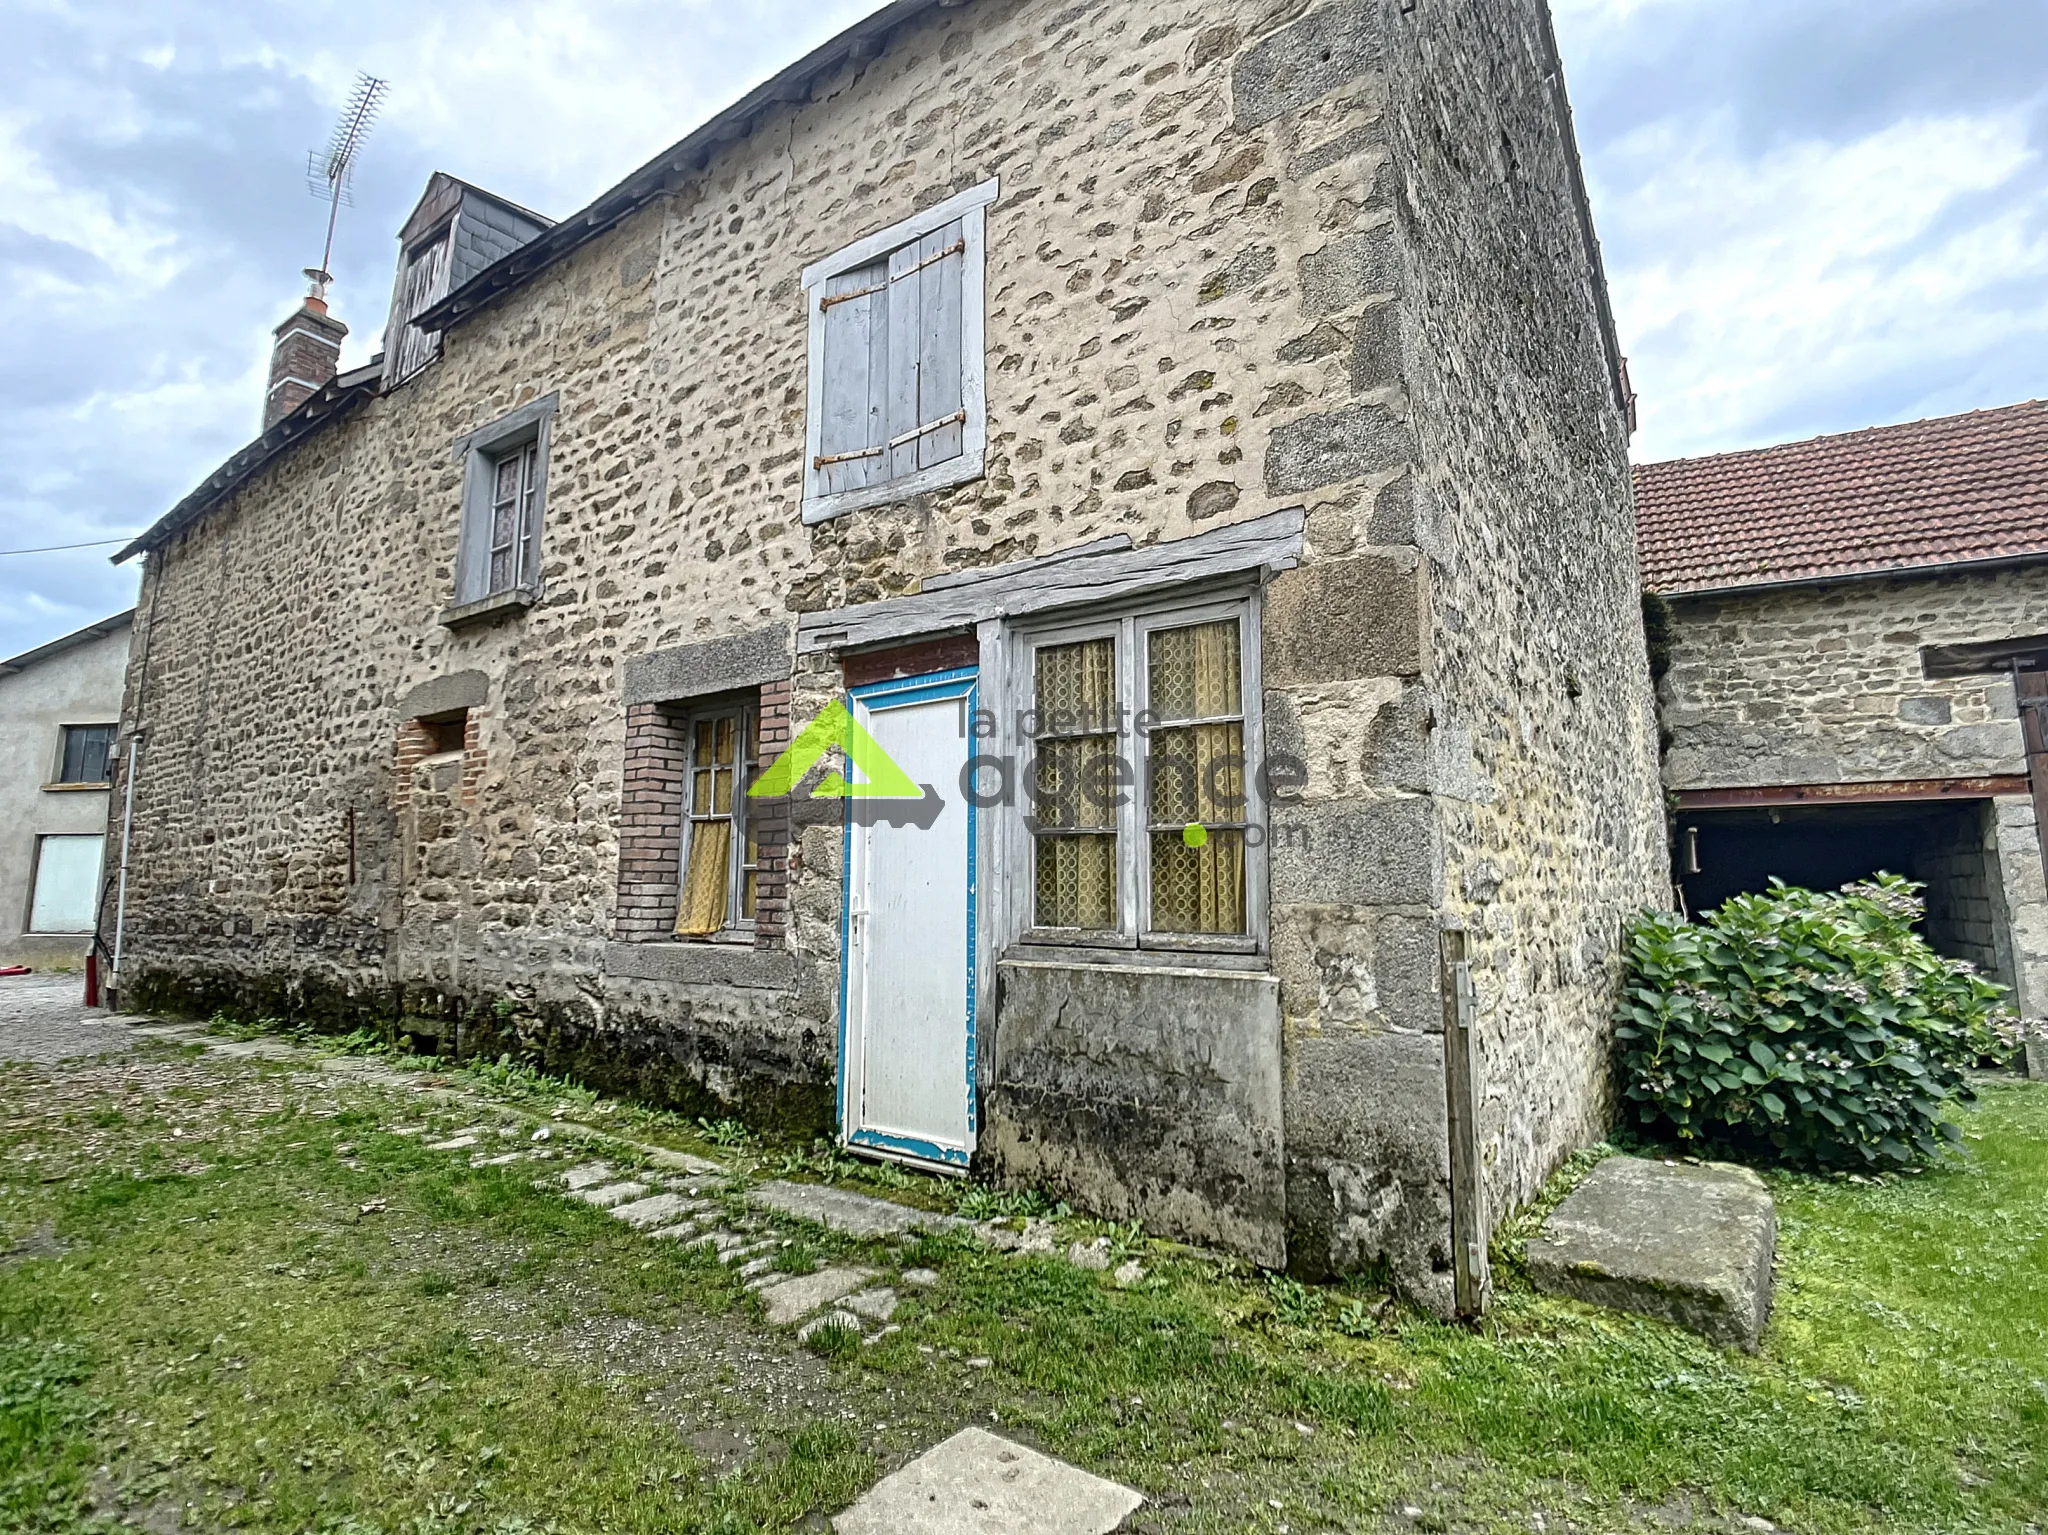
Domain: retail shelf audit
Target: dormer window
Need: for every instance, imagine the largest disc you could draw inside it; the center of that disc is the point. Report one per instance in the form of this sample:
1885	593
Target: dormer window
455	232
422	284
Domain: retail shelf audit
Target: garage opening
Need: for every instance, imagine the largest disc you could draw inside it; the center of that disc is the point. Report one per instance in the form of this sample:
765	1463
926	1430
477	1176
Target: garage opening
1950	847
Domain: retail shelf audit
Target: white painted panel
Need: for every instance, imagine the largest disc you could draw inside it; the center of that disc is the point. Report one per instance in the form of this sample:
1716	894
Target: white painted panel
913	943
67	885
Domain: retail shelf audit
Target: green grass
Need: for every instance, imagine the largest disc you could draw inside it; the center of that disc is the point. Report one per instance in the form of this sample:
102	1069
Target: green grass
228	1330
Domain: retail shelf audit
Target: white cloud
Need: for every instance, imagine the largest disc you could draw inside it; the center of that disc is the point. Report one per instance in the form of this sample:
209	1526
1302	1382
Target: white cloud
1748	286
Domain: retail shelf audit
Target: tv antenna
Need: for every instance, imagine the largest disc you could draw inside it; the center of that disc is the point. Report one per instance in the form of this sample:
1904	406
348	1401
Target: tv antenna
330	173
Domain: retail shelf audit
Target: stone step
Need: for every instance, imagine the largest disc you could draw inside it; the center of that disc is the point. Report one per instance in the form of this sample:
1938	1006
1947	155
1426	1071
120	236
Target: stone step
1688	1244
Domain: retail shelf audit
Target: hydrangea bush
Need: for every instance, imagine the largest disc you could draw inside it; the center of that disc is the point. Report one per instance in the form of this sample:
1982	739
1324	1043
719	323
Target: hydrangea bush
1819	1029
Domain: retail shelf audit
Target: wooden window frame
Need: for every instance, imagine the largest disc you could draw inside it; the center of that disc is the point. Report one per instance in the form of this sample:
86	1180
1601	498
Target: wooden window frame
746	716
969	209
525	431
1131	625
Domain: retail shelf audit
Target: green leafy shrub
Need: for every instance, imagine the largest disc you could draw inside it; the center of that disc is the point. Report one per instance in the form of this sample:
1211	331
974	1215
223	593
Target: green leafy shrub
1816	1028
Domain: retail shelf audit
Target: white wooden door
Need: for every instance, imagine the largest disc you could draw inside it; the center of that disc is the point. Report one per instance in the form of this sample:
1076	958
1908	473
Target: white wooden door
907	1034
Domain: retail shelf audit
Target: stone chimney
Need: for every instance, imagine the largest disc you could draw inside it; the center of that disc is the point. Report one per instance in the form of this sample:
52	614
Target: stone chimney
305	359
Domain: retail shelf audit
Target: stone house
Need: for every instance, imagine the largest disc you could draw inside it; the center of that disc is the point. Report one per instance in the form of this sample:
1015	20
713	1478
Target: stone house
1857	625
1174	453
60	705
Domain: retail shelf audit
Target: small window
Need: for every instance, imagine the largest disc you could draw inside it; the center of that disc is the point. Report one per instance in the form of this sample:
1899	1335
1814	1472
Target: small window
1144	755
66	896
422	283
721	858
896	361
88	750
504	495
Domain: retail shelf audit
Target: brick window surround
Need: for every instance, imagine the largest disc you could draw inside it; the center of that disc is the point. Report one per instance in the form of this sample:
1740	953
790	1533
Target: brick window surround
651	820
418	740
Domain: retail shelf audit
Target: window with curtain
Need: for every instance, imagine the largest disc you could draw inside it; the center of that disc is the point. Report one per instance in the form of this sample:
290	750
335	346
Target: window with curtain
721	858
1141	778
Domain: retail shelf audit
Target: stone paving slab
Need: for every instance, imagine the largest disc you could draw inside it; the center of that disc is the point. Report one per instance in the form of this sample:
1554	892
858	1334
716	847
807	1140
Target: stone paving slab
1688	1244
795	1298
607	1195
855	1215
977	1483
656	1210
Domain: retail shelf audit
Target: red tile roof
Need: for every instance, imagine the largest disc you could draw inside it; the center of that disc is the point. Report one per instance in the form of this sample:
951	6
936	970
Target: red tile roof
1957	490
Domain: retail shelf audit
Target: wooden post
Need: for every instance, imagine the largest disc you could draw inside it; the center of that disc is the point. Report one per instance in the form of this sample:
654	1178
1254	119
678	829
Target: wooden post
1472	1276
2030	691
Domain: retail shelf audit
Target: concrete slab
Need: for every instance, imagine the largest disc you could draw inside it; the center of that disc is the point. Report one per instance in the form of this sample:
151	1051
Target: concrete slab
855	1215
978	1484
796	1298
1688	1244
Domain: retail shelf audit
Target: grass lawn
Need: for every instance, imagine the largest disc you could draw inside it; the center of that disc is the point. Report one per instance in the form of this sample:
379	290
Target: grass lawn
236	1297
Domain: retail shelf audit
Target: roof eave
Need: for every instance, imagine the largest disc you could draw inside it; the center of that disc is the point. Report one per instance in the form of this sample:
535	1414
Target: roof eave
339	394
92	631
673	167
1842	578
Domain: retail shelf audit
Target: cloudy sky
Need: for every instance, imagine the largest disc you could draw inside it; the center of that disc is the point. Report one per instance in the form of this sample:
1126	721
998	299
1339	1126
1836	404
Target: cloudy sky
1817	214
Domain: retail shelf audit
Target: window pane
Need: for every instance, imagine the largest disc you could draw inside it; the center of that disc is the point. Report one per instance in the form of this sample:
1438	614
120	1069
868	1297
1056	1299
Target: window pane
702	911
1198	889
1076	687
1076	784
700	792
67	885
1077	882
1196	773
1196	673
86	748
721	792
725	735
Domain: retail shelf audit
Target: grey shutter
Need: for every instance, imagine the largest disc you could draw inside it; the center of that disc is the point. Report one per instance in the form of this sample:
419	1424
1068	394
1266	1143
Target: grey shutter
939	358
925	384
856	371
473	553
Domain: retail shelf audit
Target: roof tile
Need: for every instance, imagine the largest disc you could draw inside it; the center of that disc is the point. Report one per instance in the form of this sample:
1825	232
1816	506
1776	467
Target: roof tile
1956	490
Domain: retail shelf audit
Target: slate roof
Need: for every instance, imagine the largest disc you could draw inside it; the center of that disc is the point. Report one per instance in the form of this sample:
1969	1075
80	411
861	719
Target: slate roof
1958	490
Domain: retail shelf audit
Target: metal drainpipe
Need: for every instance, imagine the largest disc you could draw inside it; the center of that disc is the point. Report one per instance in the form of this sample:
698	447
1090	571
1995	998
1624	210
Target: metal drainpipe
121	894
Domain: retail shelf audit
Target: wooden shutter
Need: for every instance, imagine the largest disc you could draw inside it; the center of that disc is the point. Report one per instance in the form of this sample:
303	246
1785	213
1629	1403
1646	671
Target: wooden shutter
924	395
851	455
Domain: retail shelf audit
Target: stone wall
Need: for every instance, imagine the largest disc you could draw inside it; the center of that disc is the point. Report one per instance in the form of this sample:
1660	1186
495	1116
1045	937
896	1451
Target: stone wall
1824	685
1528	734
1212	293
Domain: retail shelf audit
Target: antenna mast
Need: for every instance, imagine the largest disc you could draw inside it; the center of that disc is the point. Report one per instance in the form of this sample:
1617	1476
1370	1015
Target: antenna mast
329	175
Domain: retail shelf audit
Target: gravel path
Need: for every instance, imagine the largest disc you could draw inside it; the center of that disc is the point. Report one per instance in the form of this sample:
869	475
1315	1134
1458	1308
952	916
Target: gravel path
43	1019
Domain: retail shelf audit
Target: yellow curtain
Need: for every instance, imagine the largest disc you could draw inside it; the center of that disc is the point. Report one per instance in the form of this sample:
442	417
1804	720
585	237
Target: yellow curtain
704	887
1198	889
1196	672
